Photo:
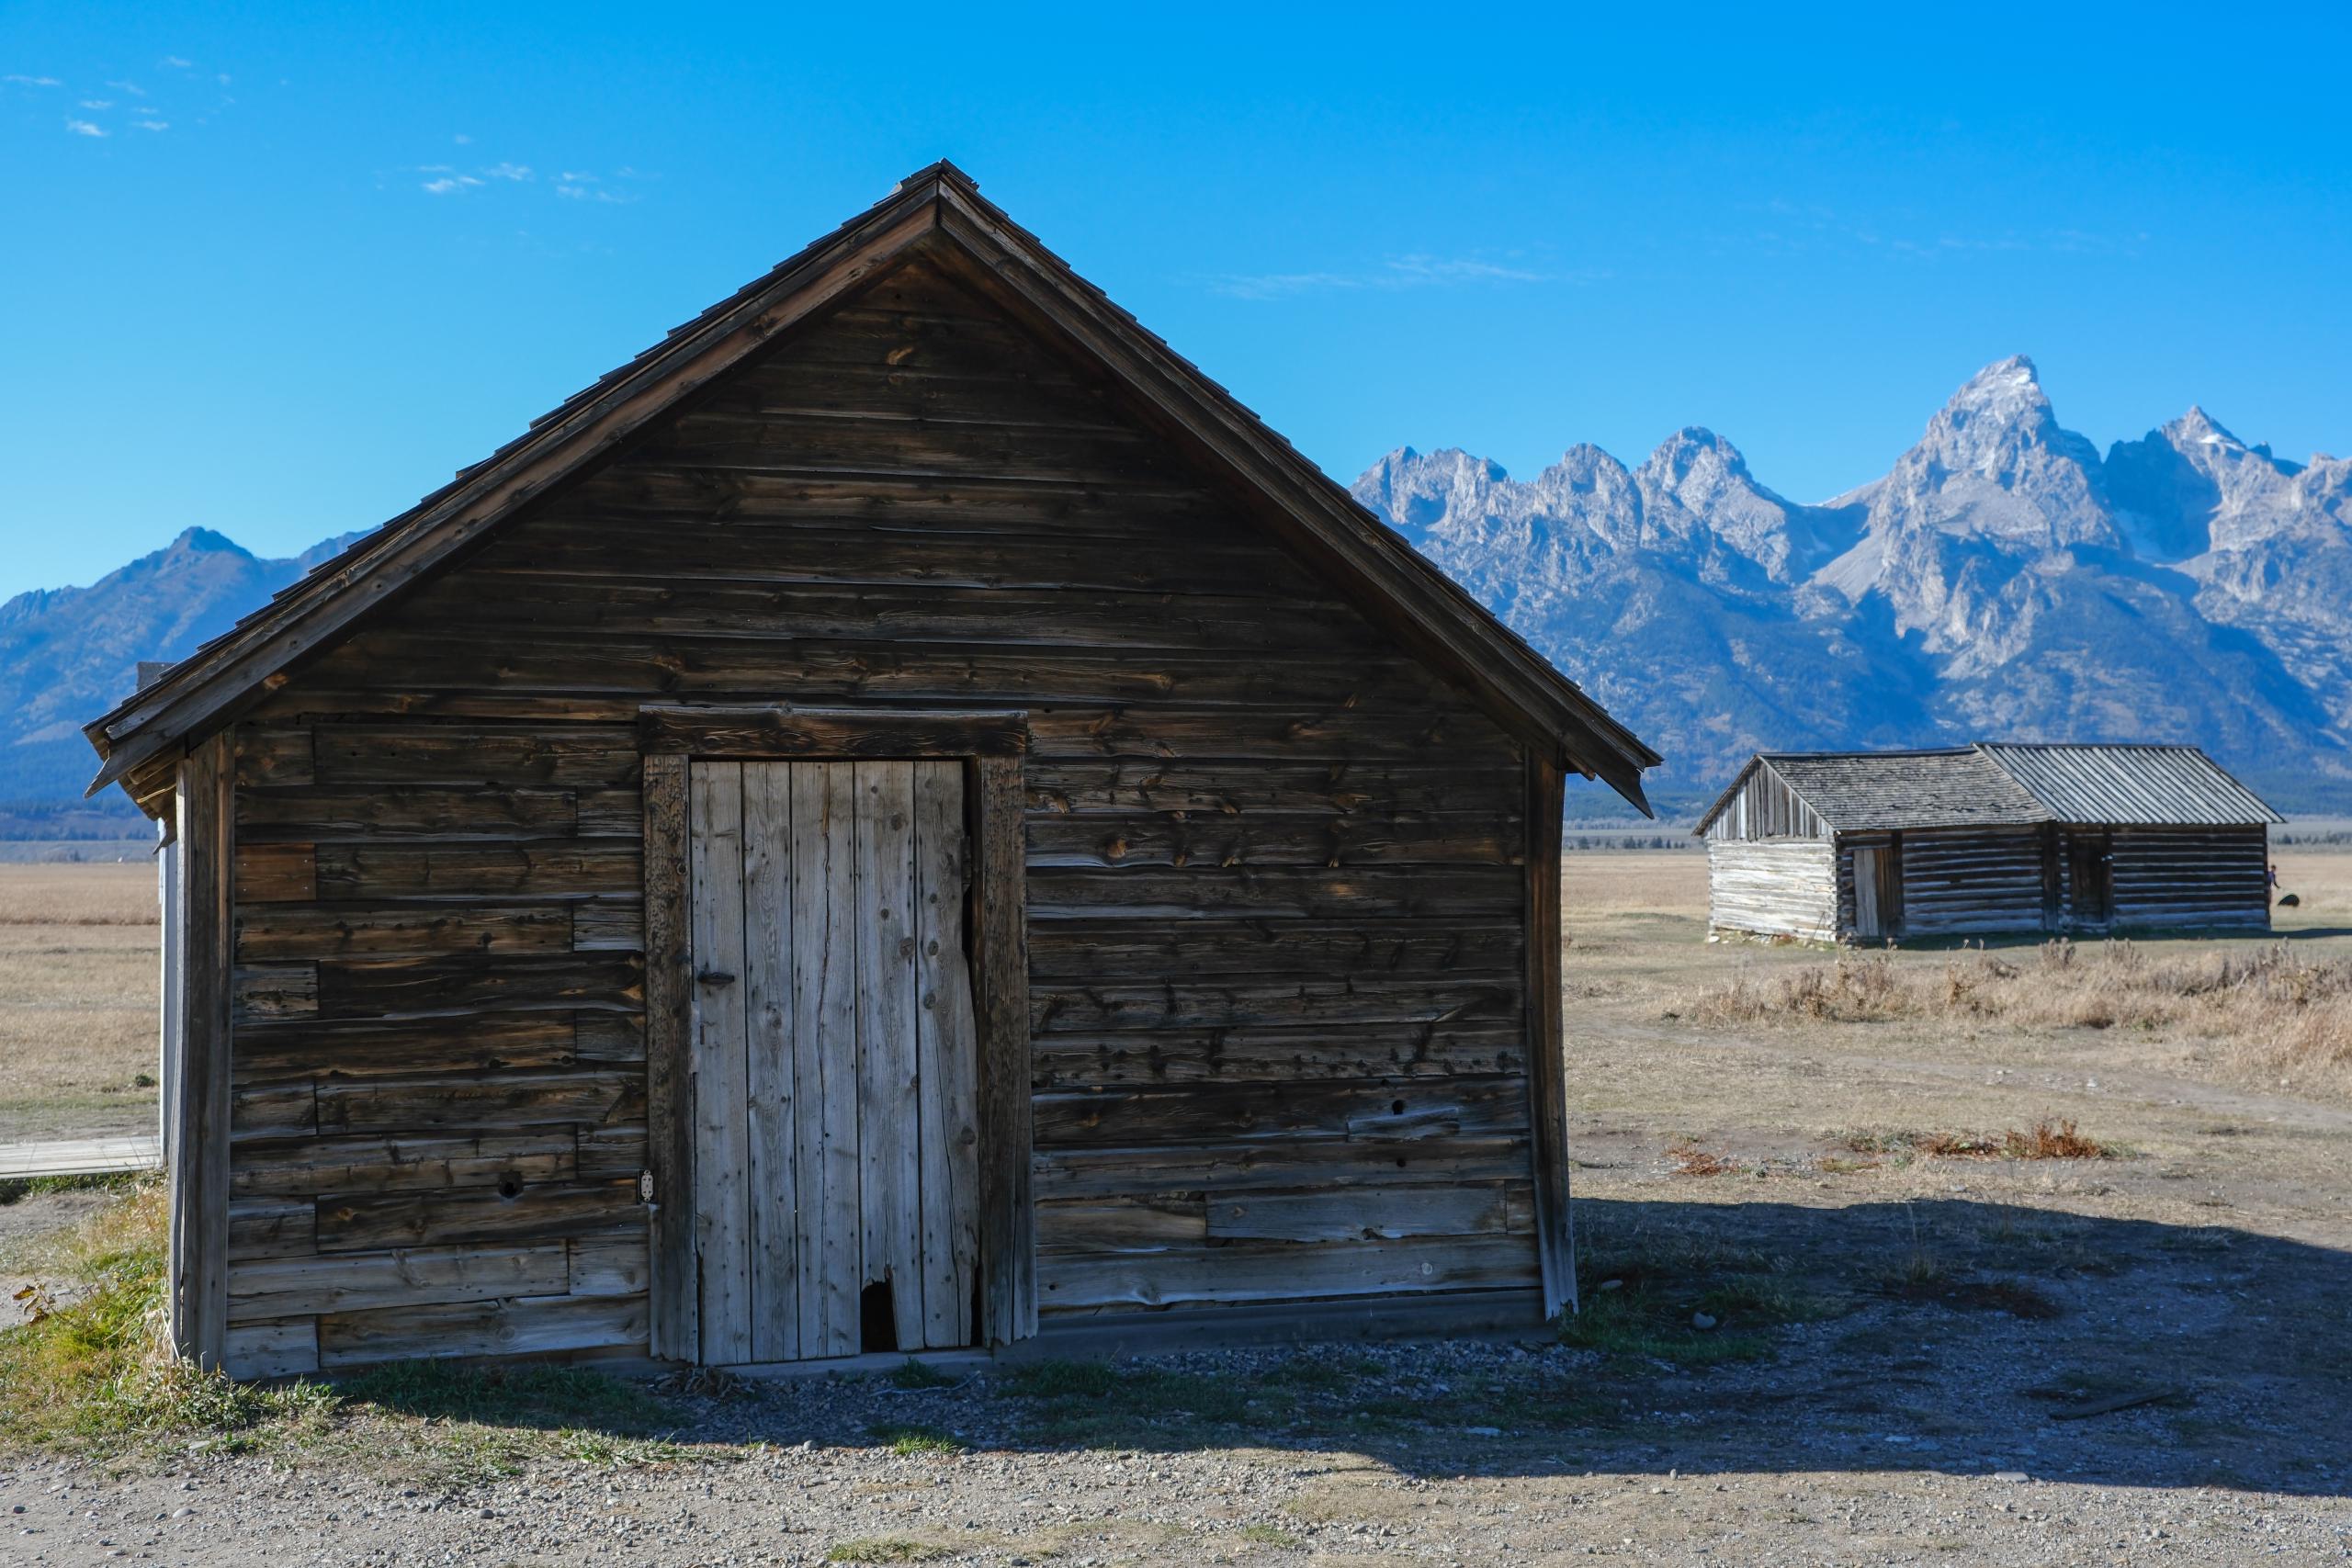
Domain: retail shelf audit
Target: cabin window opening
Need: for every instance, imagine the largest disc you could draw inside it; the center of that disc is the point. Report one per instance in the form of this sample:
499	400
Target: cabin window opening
877	1318
1396	1108
510	1186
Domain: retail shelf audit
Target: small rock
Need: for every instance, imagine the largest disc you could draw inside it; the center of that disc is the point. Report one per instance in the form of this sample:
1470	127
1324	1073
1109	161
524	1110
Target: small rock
1701	1320
1611	1285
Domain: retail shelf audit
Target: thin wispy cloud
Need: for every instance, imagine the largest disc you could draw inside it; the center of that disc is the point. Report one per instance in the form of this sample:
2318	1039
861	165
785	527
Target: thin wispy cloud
517	172
175	63
1801	228
98	103
152	124
450	185
83	128
133	88
1414	271
22	81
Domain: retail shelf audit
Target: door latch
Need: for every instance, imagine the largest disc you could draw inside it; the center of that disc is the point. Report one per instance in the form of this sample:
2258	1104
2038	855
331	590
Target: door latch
715	977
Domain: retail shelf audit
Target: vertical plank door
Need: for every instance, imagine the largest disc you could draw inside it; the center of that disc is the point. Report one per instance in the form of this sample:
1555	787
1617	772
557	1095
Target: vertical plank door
834	1067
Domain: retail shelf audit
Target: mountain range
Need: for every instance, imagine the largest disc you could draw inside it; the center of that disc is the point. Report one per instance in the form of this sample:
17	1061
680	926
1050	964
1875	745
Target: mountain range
2003	580
68	654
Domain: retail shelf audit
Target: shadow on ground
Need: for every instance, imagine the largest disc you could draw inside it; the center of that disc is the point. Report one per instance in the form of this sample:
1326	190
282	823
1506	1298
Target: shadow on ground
1958	1336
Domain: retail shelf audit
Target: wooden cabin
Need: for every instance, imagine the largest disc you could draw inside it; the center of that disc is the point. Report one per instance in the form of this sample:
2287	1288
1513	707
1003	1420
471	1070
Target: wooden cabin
1875	846
904	817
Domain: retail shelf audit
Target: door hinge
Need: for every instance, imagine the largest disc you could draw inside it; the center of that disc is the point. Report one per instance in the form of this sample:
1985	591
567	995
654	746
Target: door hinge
645	1186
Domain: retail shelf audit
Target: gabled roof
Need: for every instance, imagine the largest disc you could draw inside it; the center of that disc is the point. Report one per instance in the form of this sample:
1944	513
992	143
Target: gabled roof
939	210
1999	785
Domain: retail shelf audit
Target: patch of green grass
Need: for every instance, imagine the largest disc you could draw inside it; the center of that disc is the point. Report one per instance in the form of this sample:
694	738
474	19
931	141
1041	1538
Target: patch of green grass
908	1442
1268	1535
16	1189
911	1375
88	1370
1099	1403
885	1549
548	1398
1639	1322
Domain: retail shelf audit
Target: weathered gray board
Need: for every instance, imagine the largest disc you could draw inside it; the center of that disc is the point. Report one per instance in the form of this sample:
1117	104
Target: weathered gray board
834	1076
1773	887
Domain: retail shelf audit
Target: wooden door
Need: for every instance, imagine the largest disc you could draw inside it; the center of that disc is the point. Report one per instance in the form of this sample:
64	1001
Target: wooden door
1870	919
2091	870
833	1058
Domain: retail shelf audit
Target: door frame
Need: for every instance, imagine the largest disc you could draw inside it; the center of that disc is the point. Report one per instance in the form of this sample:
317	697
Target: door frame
991	744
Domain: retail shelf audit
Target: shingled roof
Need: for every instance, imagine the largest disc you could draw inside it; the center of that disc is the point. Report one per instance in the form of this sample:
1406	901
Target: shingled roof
936	208
1996	783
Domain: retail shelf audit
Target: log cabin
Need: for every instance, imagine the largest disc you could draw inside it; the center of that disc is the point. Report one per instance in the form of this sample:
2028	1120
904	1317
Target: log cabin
1984	839
903	818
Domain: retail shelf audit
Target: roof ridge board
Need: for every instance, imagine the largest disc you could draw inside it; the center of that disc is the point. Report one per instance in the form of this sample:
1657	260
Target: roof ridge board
441	506
1314	483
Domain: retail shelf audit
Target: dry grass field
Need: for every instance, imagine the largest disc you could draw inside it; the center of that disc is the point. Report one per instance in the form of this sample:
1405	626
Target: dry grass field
2015	1256
78	999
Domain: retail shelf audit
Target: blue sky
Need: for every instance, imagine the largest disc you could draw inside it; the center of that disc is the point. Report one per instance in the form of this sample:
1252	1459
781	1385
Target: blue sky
277	272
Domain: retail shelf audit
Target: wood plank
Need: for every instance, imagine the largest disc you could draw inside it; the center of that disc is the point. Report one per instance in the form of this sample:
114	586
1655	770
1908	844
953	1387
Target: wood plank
824	985
1251	1003
1367	838
273	1110
675	1305
1359	1214
274	932
1285	1271
608	1266
1275	893
772	1112
344	1048
721	1087
609	925
1001	979
589	1096
420	811
280	1347
946	1063
1406	1108
401	1163
80	1157
374	1222
1547	1079
269	1227
416	1277
197	1234
1089	1172
276	874
889	1110
477	756
441	985
549	868
522	1325
260	992
1219	1055
780	731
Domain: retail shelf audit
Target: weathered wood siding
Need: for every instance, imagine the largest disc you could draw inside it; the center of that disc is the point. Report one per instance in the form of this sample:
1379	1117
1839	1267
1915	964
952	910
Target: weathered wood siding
2204	878
1274	874
1964	881
1773	887
1766	808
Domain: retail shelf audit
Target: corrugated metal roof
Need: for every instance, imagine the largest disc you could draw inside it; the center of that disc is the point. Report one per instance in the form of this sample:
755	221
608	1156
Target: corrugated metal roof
1906	789
2140	785
1995	785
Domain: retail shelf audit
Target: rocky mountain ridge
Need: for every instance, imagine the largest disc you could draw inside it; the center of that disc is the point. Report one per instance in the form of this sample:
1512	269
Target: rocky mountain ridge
2002	581
68	654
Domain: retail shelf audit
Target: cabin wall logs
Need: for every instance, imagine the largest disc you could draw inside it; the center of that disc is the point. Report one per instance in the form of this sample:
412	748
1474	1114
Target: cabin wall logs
1773	887
1274	865
2195	877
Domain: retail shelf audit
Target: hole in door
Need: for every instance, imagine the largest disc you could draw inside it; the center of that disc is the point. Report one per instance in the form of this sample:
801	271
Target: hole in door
877	1318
